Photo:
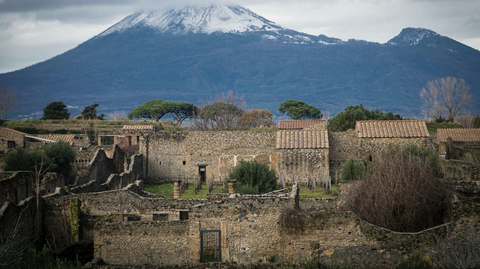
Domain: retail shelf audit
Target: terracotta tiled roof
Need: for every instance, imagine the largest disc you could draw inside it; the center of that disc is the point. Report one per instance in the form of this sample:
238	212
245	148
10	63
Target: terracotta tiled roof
391	128
138	127
302	139
59	137
465	135
298	124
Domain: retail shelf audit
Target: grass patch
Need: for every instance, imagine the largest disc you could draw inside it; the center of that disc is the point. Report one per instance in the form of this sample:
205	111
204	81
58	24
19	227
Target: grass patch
305	192
163	189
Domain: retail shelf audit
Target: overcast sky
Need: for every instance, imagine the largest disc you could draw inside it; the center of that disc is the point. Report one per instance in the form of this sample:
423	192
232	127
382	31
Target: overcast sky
33	31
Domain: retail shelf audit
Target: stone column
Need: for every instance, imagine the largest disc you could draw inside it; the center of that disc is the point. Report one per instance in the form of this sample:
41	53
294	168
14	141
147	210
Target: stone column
231	186
176	190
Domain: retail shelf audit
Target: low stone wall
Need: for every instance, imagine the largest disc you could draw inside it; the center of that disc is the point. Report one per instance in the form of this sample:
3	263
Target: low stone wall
159	243
460	170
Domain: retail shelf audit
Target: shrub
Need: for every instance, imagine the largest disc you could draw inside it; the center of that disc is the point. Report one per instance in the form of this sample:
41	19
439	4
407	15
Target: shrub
254	177
401	193
353	170
58	156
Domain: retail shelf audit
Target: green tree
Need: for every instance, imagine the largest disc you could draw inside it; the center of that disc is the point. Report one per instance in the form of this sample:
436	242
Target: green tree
221	116
56	111
90	113
253	177
346	119
157	109
297	110
57	157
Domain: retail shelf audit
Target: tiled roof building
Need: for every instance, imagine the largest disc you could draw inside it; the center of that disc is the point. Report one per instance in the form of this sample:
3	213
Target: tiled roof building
138	127
299	124
302	139
391	129
69	138
460	135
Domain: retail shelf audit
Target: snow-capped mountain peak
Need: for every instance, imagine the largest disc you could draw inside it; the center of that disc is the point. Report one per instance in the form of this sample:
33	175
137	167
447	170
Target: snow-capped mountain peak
193	19
411	36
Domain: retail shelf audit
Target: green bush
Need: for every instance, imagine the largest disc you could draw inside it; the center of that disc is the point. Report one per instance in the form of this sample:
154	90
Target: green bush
253	177
353	170
58	157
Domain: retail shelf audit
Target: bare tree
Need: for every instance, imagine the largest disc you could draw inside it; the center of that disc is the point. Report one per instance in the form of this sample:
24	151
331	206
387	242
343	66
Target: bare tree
446	95
8	100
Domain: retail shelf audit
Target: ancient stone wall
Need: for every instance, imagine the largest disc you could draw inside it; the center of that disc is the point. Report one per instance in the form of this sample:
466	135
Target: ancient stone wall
460	169
252	232
178	156
101	166
304	165
15	186
159	243
172	156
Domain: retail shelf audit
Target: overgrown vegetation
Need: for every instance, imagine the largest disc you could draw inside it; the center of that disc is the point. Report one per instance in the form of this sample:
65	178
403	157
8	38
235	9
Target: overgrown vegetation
353	170
401	191
59	156
43	259
253	177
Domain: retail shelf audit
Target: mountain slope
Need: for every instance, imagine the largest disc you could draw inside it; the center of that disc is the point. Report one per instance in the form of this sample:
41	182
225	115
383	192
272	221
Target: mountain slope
161	56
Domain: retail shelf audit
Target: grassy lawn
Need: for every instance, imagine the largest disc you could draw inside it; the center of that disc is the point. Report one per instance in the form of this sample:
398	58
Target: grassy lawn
305	192
167	191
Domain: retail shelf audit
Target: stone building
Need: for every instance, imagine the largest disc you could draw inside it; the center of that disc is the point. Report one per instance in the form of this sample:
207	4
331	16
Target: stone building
371	137
10	139
74	140
303	156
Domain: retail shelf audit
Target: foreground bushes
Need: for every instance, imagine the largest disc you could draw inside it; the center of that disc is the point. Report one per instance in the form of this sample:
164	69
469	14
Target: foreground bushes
401	191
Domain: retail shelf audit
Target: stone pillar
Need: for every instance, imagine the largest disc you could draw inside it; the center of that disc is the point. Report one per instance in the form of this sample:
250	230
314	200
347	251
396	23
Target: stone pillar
231	186
99	140
176	190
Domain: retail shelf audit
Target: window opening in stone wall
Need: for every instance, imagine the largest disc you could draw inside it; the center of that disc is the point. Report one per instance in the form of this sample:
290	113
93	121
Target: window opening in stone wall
129	140
202	172
210	246
11	144
138	140
184	162
160	163
183	215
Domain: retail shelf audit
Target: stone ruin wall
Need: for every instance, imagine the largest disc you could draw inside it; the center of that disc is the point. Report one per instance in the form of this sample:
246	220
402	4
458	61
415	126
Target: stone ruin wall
346	145
178	156
252	233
